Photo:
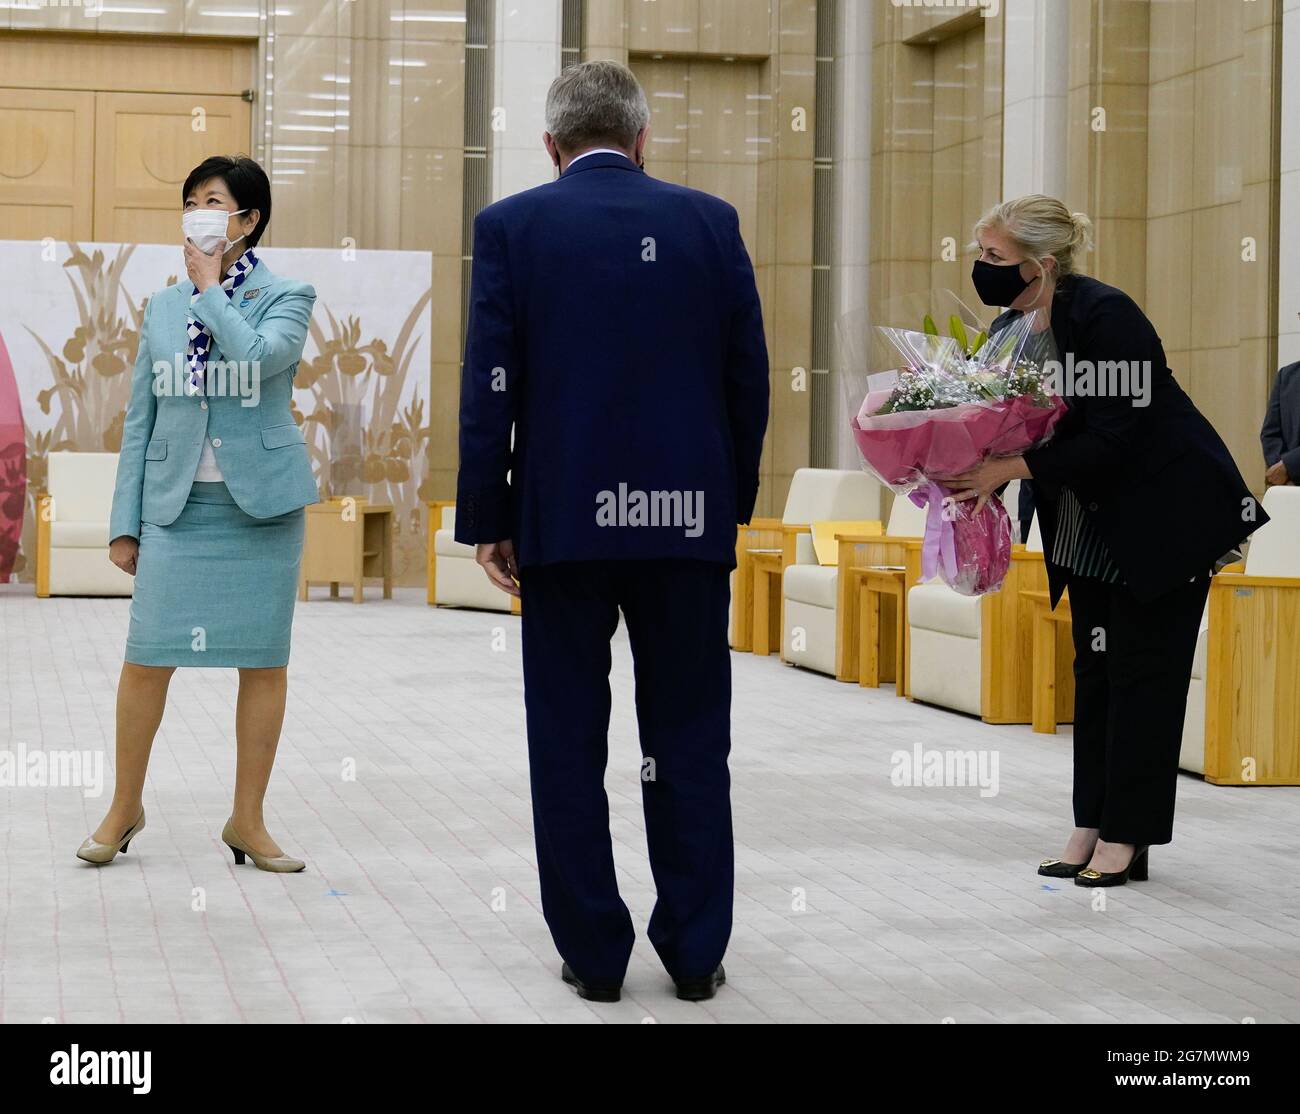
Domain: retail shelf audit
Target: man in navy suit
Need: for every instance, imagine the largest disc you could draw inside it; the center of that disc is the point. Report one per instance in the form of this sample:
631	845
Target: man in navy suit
613	406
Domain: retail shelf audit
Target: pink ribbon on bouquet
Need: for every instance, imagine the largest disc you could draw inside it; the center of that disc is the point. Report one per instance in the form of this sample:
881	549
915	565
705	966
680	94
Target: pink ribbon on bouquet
940	543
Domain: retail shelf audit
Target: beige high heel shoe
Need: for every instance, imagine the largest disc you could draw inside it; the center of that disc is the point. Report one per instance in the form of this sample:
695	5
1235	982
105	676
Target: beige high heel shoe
101	854
281	864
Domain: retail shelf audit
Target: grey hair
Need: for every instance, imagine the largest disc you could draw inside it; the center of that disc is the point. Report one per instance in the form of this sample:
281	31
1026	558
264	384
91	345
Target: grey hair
594	103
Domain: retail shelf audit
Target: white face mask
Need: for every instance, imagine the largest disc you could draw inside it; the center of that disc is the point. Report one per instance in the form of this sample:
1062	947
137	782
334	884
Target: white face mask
207	227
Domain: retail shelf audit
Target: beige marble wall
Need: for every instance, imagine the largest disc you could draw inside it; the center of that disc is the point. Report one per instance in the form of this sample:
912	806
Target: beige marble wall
1182	185
732	88
966	130
936	151
706	125
1106	141
1288	302
359	119
364	135
1212	212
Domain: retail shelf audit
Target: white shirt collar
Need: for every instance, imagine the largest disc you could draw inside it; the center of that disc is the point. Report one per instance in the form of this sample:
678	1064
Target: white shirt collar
599	151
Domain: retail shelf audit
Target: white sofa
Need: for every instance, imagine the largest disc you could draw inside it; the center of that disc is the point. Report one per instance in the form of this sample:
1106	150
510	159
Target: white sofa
72	528
945	630
459	581
1274	551
815	495
810	591
1192	755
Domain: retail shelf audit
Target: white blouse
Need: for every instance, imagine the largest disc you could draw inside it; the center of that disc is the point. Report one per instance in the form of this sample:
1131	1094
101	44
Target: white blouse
207	471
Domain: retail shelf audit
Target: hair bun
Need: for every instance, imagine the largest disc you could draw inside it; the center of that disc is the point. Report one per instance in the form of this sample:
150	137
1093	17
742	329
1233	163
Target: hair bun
1082	240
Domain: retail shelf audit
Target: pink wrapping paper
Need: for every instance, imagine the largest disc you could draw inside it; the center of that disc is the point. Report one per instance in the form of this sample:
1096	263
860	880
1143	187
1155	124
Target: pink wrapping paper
969	550
920	445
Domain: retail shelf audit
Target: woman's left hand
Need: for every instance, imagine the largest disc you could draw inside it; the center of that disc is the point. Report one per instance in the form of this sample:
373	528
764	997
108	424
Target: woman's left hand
204	269
980	483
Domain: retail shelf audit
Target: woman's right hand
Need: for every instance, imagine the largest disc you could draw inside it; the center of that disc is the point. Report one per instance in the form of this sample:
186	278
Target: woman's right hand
123	552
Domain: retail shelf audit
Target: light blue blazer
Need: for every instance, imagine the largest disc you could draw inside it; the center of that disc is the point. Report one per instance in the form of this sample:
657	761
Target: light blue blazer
259	334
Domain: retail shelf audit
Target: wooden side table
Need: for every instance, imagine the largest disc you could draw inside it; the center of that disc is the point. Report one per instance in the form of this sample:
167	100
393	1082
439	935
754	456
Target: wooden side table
1252	701
857	553
765	629
882	653
1007	641
347	541
761	534
1053	683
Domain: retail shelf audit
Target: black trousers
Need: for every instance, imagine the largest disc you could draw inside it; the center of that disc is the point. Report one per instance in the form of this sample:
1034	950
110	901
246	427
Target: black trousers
676	615
1132	668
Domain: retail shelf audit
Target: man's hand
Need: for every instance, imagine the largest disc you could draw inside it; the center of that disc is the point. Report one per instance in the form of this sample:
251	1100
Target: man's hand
204	269
1277	475
124	552
498	561
980	483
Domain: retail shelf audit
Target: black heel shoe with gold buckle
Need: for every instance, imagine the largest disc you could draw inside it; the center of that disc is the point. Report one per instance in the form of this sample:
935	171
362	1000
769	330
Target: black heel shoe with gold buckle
1056	868
1136	871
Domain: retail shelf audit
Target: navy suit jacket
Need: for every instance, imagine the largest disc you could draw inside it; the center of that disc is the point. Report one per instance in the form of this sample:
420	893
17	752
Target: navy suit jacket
615	332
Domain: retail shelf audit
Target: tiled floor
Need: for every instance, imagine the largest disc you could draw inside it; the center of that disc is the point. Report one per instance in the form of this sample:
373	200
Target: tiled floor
857	899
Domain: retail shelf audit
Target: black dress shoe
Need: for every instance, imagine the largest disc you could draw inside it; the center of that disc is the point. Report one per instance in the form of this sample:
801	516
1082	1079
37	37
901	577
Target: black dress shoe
1055	868
1136	871
701	989
593	992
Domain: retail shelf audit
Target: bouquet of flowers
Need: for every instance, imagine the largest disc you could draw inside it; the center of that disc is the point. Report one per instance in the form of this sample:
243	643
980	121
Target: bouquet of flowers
948	406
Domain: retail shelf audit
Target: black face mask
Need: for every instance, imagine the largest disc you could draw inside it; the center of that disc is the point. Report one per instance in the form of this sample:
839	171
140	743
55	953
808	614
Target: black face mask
998	285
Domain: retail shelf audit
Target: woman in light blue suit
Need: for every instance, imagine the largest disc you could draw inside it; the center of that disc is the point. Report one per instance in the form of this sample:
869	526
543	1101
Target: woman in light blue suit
208	510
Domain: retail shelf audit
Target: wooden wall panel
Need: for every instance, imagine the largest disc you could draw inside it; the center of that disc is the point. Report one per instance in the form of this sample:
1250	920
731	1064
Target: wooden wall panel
125	63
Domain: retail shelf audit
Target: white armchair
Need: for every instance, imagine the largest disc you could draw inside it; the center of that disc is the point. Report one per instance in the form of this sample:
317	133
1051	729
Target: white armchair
808	625
72	528
829	494
971	653
815	495
1192	755
906	519
945	632
455	578
811	623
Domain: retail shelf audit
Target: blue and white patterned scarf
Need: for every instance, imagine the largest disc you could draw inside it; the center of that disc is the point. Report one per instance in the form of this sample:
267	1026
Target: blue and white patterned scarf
196	355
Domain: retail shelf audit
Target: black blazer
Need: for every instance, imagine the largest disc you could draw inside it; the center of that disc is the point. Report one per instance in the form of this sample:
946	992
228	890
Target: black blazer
1156	481
1280	436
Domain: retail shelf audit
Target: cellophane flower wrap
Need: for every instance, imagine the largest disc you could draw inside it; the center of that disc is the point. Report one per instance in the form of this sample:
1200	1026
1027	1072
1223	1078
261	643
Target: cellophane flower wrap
941	414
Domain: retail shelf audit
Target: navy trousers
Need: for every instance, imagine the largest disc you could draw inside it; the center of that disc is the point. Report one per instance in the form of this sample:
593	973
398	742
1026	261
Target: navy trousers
676	615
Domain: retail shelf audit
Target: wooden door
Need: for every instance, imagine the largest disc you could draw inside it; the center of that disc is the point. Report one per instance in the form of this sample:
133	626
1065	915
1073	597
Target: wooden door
47	164
145	146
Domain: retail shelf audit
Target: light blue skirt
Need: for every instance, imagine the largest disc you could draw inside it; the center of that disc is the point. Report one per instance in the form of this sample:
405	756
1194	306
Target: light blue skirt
217	587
